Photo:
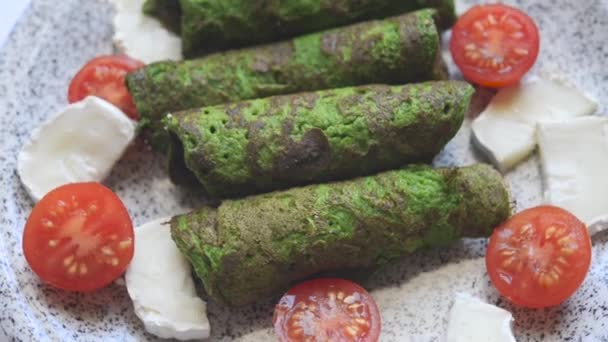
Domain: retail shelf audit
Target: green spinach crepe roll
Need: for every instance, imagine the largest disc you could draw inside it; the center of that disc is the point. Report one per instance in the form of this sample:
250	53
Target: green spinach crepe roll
213	25
248	249
265	144
395	51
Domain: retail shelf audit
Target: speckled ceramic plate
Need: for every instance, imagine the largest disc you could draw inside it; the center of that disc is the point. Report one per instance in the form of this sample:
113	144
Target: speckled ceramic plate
53	40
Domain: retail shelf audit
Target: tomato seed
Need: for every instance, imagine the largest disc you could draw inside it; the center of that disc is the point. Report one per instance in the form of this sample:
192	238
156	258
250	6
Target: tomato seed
549	232
106	250
72	269
349	300
525	229
351	331
507	262
362	322
125	244
567	251
115	261
507	252
517	35
521	51
67	261
564	241
83	269
53	243
562	261
47	223
492	19
554	275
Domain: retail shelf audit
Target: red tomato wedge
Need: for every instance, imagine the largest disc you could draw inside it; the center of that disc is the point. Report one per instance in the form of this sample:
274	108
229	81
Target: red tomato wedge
105	77
327	310
494	45
539	257
79	237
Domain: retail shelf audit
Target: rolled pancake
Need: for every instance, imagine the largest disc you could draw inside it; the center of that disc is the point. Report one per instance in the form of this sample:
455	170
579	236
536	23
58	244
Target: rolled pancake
267	144
248	249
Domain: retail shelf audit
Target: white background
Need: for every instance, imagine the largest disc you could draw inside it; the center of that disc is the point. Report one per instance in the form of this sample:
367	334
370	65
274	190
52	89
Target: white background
10	11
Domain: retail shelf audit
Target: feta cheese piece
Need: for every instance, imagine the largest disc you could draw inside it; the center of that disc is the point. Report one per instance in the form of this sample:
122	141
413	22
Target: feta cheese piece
574	160
160	284
80	143
143	37
506	130
472	320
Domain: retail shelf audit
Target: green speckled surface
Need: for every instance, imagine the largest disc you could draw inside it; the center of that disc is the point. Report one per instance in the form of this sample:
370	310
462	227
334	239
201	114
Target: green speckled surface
396	51
266	144
211	25
249	249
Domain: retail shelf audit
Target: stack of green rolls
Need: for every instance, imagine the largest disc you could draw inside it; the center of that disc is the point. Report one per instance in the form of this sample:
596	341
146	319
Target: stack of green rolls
326	121
399	50
212	25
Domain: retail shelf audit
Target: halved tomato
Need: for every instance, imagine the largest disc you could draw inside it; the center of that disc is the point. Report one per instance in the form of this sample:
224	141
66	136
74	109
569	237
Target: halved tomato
327	309
79	237
105	77
539	257
494	45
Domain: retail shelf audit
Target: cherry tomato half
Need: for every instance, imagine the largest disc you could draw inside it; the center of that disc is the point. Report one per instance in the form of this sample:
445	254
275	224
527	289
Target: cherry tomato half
105	77
327	310
79	237
494	45
539	257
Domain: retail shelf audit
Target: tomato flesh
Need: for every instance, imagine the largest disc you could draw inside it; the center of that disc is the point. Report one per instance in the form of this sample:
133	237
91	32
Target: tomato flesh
104	77
79	237
494	45
327	310
539	257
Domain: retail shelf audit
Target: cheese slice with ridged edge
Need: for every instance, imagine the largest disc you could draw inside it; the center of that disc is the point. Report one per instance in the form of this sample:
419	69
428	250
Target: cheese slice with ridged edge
506	130
574	161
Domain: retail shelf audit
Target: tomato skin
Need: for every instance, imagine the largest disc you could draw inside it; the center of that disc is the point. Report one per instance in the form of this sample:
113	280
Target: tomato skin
327	308
494	45
79	237
539	257
104	77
